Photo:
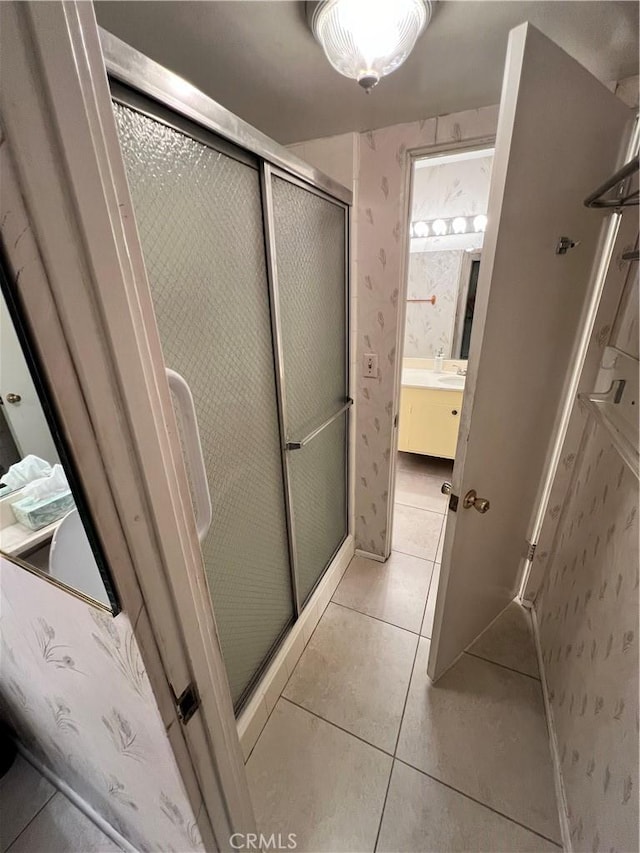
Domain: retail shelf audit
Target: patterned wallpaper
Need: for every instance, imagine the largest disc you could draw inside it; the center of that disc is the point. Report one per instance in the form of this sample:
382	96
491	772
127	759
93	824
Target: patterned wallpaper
451	189
73	686
627	90
429	327
381	206
588	617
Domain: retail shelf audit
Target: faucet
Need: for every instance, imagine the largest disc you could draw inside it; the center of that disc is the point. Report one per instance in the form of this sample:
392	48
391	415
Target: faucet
461	371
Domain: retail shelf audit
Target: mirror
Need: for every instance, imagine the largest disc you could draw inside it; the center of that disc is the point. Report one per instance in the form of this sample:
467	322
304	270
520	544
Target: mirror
44	524
448	221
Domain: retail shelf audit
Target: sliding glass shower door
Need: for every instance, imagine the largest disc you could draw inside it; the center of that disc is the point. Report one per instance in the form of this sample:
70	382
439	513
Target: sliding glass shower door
309	241
247	272
200	219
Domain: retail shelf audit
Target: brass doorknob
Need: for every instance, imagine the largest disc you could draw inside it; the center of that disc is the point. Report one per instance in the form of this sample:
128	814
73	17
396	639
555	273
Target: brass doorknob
445	488
13	398
471	499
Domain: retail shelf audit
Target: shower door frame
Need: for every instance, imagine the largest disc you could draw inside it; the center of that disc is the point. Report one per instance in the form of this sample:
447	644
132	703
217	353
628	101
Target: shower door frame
141	84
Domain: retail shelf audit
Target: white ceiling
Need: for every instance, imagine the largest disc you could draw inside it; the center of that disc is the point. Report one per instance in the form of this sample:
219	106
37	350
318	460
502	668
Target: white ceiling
260	60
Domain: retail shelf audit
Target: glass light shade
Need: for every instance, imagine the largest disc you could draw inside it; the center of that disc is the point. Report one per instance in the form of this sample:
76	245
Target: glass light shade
368	39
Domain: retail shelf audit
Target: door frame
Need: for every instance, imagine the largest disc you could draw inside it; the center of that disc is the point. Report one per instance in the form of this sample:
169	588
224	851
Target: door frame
90	318
413	154
463	292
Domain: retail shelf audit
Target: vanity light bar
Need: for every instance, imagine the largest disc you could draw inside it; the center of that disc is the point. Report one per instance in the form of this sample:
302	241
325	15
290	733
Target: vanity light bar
454	225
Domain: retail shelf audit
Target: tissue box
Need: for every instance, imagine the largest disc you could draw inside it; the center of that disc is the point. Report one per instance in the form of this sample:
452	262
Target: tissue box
35	514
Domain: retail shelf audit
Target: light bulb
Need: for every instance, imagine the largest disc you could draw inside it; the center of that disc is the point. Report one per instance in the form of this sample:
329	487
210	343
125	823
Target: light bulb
439	227
459	225
480	222
421	229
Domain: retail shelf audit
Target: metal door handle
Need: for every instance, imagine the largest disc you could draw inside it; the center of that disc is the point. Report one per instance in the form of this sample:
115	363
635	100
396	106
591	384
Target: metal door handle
297	445
13	398
193	451
471	499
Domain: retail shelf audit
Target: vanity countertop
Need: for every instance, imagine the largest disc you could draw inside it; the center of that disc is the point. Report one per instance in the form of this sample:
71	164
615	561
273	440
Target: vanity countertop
15	539
415	377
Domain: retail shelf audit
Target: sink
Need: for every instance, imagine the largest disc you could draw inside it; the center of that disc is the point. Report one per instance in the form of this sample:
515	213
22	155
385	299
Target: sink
452	381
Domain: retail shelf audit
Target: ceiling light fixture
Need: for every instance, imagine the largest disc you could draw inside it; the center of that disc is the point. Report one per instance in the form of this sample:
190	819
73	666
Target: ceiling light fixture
368	39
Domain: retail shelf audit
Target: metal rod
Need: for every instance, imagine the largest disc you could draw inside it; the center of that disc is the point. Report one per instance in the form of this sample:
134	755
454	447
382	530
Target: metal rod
296	445
278	357
596	200
431	299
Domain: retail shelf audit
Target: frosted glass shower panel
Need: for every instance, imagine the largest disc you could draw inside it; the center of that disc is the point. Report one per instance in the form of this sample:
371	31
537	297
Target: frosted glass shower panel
319	496
199	215
310	252
310	236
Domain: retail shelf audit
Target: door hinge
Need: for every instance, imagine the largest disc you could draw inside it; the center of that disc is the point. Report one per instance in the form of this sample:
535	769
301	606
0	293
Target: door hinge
188	702
395	420
531	550
453	502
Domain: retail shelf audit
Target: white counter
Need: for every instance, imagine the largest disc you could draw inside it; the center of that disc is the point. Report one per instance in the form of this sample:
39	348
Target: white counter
413	377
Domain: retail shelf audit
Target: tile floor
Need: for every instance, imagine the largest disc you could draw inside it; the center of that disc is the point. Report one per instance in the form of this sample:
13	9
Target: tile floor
362	753
37	818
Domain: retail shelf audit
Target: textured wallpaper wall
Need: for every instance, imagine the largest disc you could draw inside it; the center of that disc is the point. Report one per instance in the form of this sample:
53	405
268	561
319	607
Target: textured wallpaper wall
429	327
381	242
73	686
588	617
619	270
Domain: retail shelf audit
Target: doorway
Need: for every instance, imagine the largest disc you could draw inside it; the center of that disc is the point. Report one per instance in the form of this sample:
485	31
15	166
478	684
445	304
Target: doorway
447	222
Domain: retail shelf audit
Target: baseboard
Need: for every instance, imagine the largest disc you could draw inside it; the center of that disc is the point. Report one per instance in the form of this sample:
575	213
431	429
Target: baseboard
256	713
76	799
561	797
360	553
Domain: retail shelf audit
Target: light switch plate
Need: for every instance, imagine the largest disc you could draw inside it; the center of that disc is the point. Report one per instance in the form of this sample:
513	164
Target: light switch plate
370	365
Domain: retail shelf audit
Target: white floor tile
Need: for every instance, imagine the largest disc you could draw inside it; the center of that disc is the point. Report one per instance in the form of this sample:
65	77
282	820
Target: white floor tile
310	778
395	591
61	828
509	641
421	814
416	531
355	673
430	610
23	792
416	489
481	729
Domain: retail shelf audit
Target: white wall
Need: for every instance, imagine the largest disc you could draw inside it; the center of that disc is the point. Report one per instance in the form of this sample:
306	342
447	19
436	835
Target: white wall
336	156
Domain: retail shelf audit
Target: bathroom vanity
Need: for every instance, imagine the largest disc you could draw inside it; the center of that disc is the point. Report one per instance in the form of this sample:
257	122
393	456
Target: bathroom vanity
430	405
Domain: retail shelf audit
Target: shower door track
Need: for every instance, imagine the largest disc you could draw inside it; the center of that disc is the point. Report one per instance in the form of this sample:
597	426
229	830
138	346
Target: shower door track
127	65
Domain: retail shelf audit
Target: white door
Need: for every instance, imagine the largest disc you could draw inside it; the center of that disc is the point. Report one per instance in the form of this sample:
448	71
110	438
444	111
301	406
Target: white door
560	133
20	403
